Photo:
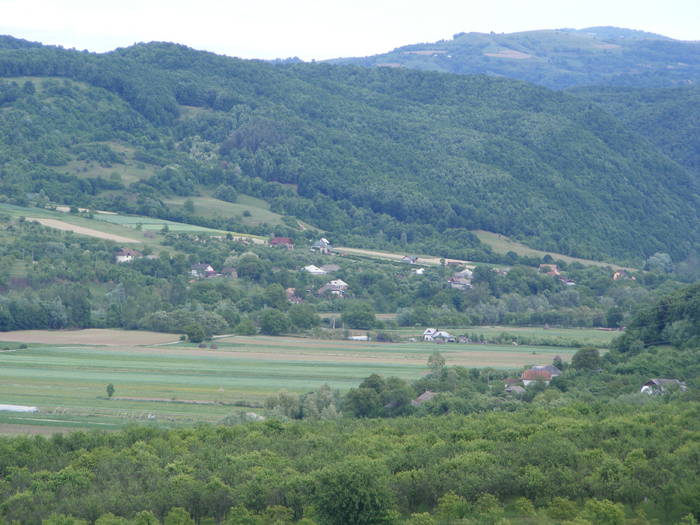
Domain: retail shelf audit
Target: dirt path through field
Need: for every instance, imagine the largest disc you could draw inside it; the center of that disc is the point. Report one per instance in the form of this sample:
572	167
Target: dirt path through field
61	225
435	261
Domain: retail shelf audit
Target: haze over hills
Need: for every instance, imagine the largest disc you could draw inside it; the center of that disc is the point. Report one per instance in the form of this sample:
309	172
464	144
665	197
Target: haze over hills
557	59
377	155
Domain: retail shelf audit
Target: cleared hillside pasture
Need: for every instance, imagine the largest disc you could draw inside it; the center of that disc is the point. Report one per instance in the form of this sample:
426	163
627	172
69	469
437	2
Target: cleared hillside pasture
183	384
502	244
210	207
81	230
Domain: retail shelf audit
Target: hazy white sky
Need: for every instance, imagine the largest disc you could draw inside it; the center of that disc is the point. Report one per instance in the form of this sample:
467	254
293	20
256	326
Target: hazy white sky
320	29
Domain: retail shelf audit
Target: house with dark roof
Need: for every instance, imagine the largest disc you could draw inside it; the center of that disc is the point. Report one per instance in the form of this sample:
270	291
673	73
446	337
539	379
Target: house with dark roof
323	246
661	386
201	270
424	398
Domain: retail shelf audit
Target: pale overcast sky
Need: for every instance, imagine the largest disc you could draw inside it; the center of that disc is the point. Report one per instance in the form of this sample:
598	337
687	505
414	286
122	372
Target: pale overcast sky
320	29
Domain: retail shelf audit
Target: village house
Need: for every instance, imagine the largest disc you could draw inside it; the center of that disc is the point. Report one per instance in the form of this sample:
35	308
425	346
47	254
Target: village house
201	270
549	269
126	255
661	386
292	296
424	398
544	373
282	242
428	334
623	275
409	259
459	283
323	246
336	287
330	268
438	336
314	270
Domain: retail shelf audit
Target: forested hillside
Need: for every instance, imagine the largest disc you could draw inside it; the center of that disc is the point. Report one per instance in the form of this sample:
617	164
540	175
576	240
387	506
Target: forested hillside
332	145
668	117
557	59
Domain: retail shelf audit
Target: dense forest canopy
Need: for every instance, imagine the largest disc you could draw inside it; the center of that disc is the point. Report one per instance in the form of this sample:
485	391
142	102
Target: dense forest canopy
332	144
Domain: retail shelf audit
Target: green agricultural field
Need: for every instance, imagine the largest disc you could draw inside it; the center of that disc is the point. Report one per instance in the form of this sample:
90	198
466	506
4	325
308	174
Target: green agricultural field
113	223
182	384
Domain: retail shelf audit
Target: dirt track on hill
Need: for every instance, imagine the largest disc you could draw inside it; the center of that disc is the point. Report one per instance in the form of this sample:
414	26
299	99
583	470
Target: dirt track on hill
60	225
398	256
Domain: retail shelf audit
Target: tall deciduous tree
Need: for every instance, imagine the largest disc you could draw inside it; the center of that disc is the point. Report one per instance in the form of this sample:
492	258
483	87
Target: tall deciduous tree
354	491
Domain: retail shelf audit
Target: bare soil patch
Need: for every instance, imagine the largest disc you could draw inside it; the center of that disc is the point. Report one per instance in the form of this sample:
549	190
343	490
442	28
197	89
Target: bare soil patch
61	225
90	336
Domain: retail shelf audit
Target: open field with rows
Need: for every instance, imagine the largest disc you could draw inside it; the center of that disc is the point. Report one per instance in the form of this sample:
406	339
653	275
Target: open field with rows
175	384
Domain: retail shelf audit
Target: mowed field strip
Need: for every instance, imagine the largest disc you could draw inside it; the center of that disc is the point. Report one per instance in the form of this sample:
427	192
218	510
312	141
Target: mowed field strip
160	384
61	225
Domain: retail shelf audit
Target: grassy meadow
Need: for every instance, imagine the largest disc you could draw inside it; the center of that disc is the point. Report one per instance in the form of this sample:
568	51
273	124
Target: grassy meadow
175	384
502	244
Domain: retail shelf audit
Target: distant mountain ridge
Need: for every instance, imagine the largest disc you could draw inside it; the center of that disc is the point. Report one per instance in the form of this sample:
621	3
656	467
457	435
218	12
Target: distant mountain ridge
557	59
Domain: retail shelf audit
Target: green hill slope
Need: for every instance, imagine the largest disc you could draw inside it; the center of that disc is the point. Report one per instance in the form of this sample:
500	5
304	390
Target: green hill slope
555	58
370	155
669	117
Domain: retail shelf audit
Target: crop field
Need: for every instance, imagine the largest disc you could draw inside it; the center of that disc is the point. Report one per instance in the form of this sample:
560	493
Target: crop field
175	384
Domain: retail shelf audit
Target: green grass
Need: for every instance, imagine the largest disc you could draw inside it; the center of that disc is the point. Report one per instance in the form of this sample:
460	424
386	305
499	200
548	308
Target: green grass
502	244
213	208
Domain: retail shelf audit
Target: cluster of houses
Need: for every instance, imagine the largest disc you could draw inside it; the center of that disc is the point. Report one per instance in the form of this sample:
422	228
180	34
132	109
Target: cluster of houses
545	374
